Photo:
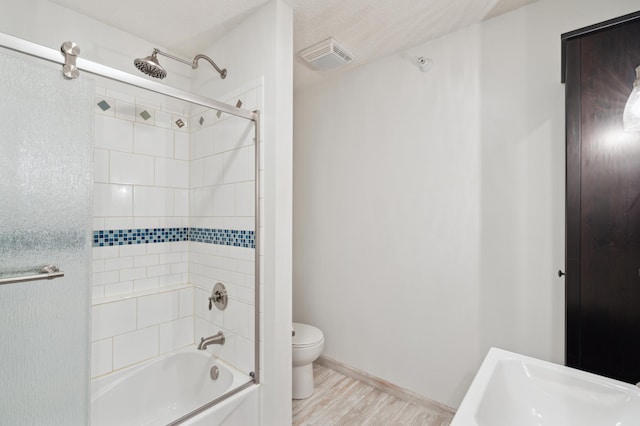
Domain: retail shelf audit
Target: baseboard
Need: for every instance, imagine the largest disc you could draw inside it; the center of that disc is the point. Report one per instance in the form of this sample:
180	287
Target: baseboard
383	385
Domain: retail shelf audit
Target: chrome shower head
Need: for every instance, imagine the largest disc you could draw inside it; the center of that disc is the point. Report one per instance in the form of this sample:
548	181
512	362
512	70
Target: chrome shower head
151	66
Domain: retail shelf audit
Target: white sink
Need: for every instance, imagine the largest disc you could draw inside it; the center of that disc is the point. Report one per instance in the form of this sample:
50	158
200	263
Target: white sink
515	390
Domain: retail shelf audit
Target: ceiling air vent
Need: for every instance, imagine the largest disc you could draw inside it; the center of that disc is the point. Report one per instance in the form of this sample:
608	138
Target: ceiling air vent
326	55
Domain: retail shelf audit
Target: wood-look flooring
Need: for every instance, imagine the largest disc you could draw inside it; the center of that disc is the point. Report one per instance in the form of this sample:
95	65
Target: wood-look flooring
339	400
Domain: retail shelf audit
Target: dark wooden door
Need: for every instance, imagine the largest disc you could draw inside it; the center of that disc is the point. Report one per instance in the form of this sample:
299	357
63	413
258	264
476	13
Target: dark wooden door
603	203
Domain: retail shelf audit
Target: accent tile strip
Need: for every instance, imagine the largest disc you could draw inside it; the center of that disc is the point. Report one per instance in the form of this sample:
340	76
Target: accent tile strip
121	237
226	237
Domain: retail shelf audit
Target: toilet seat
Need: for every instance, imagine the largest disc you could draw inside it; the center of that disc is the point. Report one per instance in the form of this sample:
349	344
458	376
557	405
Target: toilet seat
306	335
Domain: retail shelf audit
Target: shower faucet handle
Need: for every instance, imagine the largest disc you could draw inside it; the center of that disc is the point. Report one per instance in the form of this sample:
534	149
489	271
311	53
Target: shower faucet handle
219	297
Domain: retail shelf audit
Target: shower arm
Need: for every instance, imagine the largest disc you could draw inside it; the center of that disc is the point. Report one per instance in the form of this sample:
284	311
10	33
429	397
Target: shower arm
194	64
223	72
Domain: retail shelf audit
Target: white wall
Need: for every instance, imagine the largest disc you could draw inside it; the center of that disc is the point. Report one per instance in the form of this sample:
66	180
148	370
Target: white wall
429	207
260	50
387	215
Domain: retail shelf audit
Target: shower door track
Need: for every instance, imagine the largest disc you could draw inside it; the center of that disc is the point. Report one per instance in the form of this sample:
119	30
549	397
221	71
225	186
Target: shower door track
56	56
32	49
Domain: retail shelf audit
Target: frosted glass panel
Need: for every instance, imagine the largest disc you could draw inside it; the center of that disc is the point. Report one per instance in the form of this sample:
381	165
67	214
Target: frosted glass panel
46	133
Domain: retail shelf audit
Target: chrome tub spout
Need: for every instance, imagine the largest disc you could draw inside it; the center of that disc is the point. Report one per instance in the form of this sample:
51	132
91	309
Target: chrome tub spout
216	339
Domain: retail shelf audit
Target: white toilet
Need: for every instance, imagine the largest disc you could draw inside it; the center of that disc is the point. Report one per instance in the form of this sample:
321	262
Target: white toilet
308	343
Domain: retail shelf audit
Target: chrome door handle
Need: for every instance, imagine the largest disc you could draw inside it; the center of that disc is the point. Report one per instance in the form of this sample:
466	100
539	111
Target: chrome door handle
48	272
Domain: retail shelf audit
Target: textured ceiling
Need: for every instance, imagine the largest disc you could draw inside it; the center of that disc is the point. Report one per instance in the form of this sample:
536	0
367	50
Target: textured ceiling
374	29
369	29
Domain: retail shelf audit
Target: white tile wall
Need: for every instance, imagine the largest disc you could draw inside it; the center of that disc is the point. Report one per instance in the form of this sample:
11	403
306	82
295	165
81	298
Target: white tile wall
245	354
150	299
163	119
140	267
245	133
196	173
111	319
122	287
224	135
245	199
128	331
124	262
140	153
105	277
214	165
112	200
201	201
132	250
161	271
158	308
131	168
153	201
181	199
170	280
181	148
146	284
222	156
236	165
147	260
116	223
134	347
113	134
176	334
186	303
125	110
224	200
237	317
171	173
120	96
202	143
101	165
131	274
233	266
101	357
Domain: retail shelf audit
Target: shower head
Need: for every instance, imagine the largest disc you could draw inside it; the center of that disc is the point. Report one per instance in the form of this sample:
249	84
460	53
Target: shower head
151	66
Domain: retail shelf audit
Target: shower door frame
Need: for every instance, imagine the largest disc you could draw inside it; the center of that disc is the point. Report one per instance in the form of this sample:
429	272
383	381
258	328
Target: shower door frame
32	49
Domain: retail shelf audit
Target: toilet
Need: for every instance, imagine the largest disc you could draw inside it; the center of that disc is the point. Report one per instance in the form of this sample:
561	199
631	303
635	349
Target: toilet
308	343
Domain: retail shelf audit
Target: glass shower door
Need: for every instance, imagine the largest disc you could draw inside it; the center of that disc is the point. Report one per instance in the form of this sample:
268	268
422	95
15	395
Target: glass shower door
46	134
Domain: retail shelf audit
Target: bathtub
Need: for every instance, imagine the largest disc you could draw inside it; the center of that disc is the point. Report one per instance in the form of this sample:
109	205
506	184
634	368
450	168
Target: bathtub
169	388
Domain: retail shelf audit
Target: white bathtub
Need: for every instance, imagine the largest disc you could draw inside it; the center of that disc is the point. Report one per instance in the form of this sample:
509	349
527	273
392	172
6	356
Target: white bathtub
165	389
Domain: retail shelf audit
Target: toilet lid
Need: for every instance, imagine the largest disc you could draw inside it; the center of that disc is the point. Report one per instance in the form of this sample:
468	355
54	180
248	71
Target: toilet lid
306	335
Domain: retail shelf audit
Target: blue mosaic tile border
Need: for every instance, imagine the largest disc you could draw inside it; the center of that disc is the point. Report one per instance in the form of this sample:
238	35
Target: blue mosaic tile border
226	237
121	237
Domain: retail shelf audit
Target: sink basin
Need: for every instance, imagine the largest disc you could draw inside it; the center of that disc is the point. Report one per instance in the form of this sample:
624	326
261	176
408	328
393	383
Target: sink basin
515	390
